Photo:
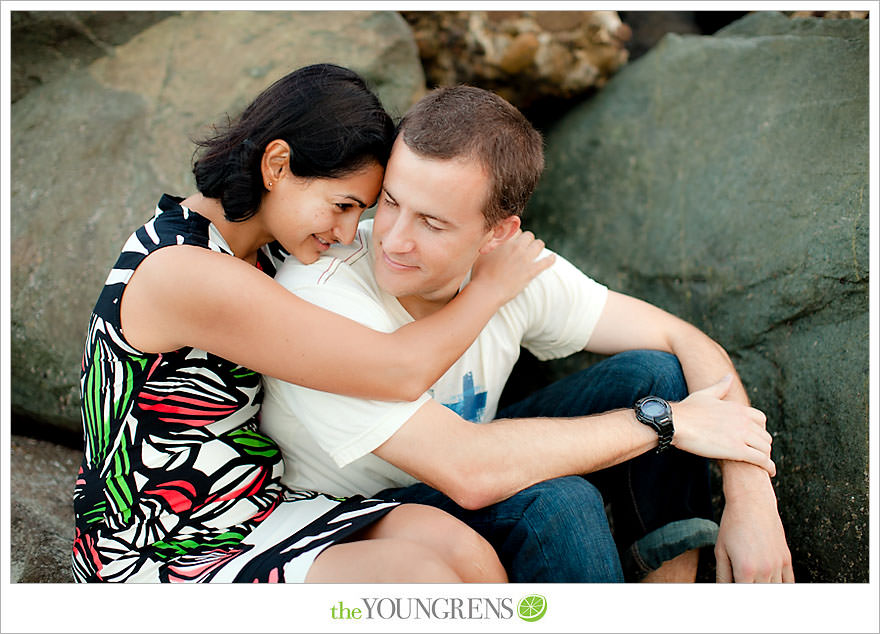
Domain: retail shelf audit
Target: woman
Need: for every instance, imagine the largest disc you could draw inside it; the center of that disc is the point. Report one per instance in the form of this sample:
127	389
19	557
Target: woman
177	483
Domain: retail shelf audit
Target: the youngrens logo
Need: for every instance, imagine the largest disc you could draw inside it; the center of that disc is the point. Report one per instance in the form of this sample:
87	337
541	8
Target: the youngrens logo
530	608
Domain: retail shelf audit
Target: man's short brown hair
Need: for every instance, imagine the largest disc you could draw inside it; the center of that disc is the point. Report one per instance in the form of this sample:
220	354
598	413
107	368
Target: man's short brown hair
469	122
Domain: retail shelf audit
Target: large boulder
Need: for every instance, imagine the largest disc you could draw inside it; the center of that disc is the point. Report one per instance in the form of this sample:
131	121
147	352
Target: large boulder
725	179
94	149
49	44
41	524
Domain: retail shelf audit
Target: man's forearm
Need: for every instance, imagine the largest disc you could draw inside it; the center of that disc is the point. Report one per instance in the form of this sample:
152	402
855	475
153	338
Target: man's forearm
477	465
742	481
703	361
527	451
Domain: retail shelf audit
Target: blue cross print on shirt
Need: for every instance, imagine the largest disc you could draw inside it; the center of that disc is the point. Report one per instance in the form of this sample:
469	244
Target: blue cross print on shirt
469	404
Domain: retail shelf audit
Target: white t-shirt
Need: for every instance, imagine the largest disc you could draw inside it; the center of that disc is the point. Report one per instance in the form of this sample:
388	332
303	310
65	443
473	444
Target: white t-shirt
327	439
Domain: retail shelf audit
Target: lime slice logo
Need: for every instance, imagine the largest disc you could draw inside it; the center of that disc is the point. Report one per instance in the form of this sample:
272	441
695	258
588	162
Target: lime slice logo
532	607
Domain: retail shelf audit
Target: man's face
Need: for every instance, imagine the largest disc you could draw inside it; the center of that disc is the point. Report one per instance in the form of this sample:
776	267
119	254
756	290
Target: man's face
429	227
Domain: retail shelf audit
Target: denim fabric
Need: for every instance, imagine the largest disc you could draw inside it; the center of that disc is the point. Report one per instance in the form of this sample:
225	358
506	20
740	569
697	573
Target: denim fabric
553	531
558	530
648	493
666	542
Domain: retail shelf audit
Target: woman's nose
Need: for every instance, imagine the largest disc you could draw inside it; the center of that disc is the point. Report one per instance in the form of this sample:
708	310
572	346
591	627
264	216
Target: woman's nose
346	229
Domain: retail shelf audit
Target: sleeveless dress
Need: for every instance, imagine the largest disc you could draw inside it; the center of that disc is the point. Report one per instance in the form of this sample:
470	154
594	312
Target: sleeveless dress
177	483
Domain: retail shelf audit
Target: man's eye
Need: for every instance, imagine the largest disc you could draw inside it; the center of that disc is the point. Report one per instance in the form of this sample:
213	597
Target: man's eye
344	206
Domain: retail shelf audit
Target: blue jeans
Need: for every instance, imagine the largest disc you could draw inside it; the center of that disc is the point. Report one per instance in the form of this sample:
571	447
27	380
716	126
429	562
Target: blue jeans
558	530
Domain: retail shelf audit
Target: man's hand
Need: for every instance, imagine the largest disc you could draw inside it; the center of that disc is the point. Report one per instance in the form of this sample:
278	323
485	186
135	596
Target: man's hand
709	426
751	543
751	546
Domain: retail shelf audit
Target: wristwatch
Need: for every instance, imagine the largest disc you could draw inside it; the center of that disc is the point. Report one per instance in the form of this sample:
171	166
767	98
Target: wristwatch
656	413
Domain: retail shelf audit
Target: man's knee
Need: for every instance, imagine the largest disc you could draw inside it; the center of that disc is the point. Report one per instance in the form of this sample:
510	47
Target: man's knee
564	535
659	373
566	509
566	495
669	377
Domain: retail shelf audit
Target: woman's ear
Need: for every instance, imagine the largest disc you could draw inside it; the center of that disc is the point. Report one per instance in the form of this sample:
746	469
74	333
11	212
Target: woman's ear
275	162
500	233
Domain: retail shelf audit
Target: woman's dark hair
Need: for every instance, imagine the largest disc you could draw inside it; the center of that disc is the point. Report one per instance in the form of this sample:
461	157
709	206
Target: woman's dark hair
331	120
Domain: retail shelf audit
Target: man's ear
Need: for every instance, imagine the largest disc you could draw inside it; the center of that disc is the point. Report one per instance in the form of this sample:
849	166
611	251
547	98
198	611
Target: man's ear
500	233
275	162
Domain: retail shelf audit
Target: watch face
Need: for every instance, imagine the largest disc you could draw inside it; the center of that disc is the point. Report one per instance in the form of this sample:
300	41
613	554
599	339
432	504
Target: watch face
653	408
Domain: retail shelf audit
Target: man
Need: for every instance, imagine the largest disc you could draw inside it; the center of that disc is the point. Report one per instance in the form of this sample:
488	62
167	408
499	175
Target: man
462	169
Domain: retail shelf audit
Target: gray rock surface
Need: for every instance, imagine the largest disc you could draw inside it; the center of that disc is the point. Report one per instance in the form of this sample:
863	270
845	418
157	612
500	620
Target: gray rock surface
41	510
725	179
49	44
94	149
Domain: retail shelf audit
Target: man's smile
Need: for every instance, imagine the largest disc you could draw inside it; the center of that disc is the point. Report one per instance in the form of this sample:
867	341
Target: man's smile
394	265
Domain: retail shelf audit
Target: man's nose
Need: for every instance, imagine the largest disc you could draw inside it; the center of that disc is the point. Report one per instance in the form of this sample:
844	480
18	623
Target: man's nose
398	239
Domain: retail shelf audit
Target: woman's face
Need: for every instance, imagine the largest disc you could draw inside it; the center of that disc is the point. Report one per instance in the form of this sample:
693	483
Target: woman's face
307	215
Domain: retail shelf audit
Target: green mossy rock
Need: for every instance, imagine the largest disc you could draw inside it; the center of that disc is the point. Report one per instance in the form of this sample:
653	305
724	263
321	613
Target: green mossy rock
725	179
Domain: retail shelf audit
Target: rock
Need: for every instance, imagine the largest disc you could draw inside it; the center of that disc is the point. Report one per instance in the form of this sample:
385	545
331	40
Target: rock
49	44
725	179
649	27
41	510
832	15
93	150
525	56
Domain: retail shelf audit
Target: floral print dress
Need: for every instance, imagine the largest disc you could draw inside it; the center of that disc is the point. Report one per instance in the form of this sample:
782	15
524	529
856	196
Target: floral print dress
177	483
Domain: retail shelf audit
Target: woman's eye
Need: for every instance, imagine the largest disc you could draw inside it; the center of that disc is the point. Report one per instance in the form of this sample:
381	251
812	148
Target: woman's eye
343	206
430	226
388	201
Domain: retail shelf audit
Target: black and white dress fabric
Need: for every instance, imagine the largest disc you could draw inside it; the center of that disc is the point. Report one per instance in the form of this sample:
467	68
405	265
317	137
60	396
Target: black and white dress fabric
177	483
